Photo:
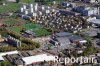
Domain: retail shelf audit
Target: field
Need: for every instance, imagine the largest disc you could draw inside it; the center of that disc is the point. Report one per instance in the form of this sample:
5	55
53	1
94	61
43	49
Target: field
10	22
9	7
27	1
35	28
13	22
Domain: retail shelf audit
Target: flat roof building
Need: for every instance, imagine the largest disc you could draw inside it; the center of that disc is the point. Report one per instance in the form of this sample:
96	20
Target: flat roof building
38	58
62	34
7	53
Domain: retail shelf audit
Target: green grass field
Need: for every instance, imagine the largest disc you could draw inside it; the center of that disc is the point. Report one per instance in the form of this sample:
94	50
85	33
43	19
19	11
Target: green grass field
27	1
13	21
35	27
10	22
9	7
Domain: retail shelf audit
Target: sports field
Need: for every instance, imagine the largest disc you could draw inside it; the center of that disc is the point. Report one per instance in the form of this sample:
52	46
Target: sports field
34	27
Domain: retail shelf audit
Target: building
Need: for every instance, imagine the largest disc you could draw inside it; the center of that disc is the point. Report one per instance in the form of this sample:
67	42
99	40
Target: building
61	40
1	23
18	63
77	39
63	34
91	33
14	1
34	10
95	22
86	11
89	1
7	53
38	59
64	12
1	39
13	41
64	42
68	4
3	44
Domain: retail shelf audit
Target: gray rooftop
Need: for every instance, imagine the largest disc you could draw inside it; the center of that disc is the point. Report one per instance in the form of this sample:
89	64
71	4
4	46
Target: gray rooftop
64	42
91	33
61	34
95	21
75	38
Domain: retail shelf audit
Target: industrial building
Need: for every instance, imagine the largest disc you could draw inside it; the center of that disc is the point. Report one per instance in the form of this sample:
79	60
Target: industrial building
61	40
12	41
93	21
63	34
89	1
77	39
7	53
86	11
38	59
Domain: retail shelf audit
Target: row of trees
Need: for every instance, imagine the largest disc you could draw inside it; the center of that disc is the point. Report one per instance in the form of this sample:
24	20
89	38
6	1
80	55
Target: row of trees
27	47
14	34
30	42
24	40
5	63
8	48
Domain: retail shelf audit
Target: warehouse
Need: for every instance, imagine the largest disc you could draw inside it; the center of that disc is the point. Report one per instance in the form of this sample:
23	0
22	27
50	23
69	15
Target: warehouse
77	39
89	1
95	22
38	58
63	34
86	11
64	42
7	53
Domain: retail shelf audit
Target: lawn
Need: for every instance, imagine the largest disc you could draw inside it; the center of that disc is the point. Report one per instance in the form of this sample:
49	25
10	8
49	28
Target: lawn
27	1
13	22
10	22
9	7
35	27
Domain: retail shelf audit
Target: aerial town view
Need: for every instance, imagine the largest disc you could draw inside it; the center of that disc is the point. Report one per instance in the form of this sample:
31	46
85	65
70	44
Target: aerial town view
49	32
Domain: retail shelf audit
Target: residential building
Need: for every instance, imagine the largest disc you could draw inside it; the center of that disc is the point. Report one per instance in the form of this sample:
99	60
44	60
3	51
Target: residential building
13	41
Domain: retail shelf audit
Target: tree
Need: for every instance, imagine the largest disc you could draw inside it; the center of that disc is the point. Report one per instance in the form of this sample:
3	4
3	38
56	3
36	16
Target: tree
17	1
3	64
1	1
